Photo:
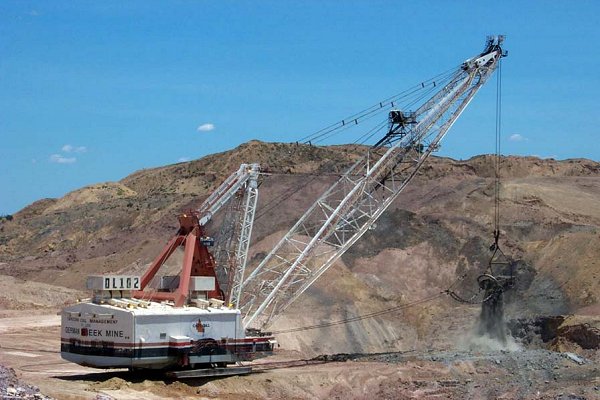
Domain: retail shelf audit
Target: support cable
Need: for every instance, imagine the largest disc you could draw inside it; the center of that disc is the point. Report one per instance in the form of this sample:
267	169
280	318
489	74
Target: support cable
355	119
419	92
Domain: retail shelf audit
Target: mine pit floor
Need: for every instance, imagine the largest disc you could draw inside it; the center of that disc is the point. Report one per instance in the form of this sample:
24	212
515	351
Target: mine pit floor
30	348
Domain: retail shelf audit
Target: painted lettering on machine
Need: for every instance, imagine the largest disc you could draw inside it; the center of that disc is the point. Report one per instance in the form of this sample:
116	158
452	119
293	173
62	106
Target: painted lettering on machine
110	333
87	326
121	282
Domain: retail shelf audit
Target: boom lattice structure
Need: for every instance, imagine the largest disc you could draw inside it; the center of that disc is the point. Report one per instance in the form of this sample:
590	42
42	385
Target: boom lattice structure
197	260
351	206
240	190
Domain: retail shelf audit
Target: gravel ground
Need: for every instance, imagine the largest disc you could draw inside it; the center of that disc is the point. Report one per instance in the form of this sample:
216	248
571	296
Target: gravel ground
12	388
523	374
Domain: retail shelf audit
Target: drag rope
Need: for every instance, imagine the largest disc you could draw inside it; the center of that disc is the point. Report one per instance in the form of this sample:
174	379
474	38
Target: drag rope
372	314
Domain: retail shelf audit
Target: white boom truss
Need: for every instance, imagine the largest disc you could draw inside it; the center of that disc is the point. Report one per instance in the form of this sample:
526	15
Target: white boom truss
231	185
351	206
243	245
242	185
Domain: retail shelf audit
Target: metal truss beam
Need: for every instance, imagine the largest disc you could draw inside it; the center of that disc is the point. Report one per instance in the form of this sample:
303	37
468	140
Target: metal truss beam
351	206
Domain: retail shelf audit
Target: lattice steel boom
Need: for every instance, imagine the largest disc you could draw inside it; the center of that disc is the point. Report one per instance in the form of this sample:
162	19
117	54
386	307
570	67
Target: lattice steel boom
351	206
236	181
240	190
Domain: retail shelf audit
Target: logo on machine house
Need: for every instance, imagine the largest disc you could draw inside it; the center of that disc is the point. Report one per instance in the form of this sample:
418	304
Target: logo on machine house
199	326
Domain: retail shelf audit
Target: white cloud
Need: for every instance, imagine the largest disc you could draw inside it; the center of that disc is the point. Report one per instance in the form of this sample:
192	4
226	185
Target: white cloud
57	158
515	137
183	159
206	127
67	148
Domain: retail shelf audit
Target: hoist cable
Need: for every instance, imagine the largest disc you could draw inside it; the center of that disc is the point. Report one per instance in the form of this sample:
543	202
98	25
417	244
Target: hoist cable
498	151
497	252
496	247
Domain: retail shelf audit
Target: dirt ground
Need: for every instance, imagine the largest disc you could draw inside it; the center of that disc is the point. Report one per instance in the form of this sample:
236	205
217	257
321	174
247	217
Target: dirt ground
29	344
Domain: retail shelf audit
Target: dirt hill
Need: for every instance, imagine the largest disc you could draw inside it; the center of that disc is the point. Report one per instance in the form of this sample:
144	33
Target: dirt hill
435	236
440	228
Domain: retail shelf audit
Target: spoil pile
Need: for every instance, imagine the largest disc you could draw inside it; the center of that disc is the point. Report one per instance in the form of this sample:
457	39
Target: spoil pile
12	388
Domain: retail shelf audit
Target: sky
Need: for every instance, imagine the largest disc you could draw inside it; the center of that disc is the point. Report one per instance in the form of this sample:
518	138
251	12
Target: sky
93	91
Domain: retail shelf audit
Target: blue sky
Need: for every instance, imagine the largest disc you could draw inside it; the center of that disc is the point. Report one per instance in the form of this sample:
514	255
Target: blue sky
93	91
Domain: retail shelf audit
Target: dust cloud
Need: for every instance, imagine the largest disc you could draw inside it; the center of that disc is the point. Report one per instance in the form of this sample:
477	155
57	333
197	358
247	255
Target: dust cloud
489	334
491	319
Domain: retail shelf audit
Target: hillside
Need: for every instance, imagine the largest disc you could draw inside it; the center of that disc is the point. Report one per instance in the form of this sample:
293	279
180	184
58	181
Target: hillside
438	229
436	235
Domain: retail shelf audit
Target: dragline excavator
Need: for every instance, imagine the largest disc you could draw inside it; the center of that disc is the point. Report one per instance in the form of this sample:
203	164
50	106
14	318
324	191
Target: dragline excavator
213	314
